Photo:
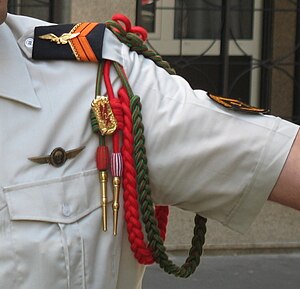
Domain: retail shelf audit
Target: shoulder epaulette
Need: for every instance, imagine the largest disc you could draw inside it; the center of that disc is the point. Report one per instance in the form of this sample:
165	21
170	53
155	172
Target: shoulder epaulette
82	42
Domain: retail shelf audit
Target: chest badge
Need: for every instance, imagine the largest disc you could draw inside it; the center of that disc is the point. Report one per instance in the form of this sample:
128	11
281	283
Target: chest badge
57	157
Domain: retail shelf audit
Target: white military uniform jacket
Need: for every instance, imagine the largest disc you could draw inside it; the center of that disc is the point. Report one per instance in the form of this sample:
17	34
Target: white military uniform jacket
202	158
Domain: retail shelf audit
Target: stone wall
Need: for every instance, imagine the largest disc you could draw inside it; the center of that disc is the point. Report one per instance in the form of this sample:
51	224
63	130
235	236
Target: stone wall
284	32
101	10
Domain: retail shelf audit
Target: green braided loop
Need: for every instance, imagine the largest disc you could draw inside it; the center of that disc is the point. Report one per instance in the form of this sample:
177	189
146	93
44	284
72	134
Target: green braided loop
147	207
94	122
136	44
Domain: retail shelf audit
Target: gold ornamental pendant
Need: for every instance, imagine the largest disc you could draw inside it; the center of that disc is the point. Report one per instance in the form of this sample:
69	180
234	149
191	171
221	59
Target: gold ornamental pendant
106	120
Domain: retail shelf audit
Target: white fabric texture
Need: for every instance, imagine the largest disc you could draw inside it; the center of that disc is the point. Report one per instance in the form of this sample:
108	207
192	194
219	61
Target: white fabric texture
202	158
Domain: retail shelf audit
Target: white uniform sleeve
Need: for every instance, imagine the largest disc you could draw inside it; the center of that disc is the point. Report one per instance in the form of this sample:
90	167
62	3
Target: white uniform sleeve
202	157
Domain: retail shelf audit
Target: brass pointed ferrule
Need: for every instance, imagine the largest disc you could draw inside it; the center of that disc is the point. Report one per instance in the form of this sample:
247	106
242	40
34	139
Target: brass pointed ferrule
103	182
115	206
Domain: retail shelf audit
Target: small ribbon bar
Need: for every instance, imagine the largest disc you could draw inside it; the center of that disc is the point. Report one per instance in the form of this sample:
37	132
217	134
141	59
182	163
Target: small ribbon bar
82	42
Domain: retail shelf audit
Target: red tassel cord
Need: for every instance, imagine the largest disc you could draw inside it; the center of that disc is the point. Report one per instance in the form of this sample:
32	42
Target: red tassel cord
113	115
141	250
103	123
135	171
123	163
116	157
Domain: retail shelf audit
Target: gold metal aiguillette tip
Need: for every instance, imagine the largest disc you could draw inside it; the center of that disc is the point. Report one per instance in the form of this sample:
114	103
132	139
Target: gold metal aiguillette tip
115	206
103	182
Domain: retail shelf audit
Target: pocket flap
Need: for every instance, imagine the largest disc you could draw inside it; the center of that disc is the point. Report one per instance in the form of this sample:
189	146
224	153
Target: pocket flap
62	200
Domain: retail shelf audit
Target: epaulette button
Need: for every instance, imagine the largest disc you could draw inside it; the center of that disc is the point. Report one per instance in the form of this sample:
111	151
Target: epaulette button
29	42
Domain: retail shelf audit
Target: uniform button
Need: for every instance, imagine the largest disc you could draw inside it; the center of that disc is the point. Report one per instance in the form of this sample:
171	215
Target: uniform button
66	210
29	42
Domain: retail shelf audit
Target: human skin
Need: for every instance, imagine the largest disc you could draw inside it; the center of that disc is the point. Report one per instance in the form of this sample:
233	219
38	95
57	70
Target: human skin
3	10
287	188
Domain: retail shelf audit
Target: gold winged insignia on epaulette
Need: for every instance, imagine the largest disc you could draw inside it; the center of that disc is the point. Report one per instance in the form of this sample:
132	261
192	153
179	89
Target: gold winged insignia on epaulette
63	39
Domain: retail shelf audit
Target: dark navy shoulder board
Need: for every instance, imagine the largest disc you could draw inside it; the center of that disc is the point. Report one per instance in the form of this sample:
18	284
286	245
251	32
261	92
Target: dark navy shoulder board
82	42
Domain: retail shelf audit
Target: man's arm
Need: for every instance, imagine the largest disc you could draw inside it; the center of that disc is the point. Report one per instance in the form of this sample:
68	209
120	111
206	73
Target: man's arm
287	188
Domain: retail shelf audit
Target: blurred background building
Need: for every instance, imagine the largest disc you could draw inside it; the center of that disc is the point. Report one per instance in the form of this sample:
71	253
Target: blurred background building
243	49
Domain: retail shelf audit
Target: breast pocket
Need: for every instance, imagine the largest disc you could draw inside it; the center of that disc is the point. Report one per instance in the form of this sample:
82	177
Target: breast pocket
38	211
61	200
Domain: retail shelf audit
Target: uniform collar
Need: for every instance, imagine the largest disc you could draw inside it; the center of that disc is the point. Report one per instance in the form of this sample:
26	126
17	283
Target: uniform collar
15	81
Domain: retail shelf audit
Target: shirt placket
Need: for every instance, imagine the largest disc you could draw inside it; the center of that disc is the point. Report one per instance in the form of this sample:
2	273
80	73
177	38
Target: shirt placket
73	244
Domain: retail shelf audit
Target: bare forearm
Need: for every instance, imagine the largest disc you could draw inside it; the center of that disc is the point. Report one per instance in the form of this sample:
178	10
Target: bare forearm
287	188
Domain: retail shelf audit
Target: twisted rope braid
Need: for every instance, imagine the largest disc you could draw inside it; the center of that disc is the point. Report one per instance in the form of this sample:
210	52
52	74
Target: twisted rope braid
134	228
139	177
136	173
146	204
141	250
122	112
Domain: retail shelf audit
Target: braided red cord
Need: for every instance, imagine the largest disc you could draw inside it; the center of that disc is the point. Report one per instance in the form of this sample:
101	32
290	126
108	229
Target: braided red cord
134	228
113	101
121	109
106	76
135	235
126	24
123	21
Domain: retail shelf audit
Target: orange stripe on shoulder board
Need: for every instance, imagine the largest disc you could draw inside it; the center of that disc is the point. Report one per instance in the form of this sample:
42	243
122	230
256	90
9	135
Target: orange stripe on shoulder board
80	45
85	43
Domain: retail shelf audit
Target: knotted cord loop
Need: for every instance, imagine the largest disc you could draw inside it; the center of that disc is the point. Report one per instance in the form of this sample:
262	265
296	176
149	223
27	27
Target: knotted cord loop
135	42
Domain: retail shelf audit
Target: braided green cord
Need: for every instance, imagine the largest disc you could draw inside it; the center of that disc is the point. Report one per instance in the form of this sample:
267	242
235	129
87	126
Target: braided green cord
99	79
136	44
94	122
147	207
